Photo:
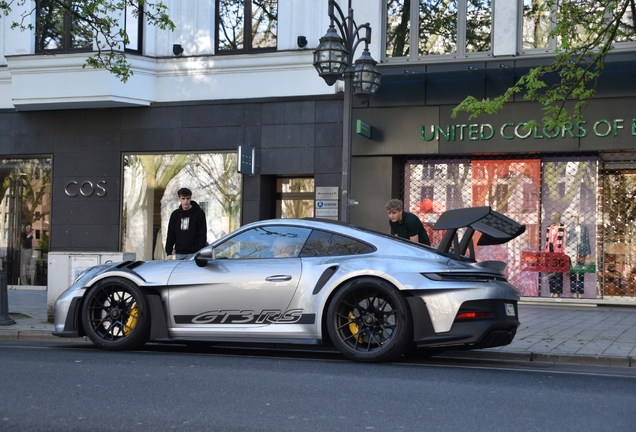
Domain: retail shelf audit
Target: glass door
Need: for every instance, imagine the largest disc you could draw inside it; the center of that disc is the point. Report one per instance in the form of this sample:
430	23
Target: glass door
294	197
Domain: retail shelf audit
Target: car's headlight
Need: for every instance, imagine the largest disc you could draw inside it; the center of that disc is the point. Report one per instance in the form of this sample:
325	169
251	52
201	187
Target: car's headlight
80	275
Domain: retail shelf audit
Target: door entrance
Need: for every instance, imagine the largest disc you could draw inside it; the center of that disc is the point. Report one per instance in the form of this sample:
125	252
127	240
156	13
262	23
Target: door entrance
618	231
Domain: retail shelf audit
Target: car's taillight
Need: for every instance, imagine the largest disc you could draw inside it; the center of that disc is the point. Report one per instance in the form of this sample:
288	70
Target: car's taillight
474	315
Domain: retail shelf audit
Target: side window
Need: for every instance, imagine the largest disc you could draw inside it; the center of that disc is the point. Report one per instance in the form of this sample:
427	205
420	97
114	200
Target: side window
322	243
134	24
418	30
58	30
246	26
264	242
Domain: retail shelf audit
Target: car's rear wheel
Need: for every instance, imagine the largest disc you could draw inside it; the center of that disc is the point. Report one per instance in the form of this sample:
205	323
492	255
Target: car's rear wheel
369	321
116	315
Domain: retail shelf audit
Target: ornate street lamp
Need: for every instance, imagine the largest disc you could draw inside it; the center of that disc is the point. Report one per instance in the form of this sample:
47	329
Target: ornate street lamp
366	78
333	59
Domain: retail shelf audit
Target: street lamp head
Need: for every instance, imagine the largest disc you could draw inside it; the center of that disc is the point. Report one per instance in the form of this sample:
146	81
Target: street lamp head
330	58
366	78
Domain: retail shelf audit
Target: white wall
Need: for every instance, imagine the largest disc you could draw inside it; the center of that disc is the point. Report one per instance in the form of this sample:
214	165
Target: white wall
196	75
14	41
194	20
505	14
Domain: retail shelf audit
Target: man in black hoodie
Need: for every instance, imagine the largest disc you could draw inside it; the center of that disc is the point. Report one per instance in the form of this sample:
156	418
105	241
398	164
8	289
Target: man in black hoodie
187	229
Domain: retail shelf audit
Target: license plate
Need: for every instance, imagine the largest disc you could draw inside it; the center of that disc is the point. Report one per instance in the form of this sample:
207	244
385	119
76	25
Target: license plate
510	309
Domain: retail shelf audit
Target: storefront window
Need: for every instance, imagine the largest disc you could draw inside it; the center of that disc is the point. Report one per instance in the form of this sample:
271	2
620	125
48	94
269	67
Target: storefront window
619	232
25	212
151	183
554	198
568	226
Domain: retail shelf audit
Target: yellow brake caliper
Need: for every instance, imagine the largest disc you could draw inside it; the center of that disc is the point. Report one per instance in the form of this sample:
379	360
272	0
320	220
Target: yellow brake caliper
132	320
354	328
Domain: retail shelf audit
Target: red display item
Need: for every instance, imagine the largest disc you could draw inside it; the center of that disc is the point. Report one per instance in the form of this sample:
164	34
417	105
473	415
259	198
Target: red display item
552	262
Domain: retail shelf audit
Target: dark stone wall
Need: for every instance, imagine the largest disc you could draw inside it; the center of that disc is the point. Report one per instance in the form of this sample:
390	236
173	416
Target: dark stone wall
407	101
291	137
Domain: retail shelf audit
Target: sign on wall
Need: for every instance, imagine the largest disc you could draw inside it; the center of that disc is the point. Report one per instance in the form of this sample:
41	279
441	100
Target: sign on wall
246	159
326	203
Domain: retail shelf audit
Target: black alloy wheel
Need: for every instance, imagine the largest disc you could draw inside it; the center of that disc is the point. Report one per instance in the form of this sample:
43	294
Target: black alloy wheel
116	315
370	321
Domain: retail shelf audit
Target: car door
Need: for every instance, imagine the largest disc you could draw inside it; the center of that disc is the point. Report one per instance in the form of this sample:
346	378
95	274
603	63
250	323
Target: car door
250	282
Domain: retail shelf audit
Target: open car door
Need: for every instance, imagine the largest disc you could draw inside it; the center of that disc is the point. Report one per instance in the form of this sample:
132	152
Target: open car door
495	229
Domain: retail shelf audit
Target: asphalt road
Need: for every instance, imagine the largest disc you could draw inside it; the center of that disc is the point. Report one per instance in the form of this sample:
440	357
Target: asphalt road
62	386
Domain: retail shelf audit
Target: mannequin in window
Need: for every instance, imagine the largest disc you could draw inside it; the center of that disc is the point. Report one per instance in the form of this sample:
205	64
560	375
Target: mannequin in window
555	242
577	241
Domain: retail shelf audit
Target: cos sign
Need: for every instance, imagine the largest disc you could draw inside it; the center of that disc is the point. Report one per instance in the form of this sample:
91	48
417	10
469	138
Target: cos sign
86	189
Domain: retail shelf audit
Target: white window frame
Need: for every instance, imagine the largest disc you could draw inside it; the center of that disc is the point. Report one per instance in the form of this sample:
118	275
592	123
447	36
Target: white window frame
552	43
461	54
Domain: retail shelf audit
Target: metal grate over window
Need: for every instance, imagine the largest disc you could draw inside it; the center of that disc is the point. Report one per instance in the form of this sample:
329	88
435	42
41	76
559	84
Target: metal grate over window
579	216
617	216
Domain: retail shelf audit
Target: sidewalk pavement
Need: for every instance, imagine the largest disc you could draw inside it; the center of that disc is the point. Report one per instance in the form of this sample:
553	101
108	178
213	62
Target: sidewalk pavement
582	332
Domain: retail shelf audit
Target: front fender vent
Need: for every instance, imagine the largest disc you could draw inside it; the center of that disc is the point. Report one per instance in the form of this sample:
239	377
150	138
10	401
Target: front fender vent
464	277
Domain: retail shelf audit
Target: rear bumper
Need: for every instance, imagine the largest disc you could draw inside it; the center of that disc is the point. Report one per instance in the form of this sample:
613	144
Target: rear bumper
498	329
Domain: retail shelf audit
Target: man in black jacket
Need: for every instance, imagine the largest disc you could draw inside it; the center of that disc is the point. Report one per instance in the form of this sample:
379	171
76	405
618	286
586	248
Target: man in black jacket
187	229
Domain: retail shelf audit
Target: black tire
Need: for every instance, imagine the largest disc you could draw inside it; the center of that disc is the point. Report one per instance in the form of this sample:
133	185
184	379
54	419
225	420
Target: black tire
370	321
116	315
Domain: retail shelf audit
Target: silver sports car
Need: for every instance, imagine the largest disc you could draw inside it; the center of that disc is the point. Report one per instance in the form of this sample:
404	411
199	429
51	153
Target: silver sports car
308	281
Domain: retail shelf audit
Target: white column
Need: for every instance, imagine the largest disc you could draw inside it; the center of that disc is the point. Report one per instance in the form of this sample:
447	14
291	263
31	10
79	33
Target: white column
505	27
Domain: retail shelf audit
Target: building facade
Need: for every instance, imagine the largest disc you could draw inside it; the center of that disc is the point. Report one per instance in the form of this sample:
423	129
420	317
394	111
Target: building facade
104	159
572	187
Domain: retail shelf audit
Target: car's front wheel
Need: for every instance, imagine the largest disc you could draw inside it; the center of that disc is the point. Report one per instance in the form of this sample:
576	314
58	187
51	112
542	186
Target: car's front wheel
116	315
369	321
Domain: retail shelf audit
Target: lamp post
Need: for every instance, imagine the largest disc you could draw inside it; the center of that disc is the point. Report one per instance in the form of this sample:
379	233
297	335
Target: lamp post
333	59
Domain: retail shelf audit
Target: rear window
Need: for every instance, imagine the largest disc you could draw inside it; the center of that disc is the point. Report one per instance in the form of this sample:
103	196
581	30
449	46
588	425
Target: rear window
322	243
401	240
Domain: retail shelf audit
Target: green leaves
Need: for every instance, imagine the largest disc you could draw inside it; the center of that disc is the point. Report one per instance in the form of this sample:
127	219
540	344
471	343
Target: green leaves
96	23
585	32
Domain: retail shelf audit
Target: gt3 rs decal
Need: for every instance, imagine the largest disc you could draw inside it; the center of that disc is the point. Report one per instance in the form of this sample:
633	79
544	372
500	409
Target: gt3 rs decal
266	316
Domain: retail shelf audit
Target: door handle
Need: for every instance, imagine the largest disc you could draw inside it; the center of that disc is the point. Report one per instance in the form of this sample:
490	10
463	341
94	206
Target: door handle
278	278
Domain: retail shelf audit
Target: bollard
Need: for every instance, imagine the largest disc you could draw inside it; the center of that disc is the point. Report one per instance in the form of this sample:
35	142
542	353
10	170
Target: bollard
5	319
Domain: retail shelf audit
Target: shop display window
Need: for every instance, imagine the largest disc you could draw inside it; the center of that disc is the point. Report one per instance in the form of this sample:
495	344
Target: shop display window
568	227
618	233
150	190
25	215
538	193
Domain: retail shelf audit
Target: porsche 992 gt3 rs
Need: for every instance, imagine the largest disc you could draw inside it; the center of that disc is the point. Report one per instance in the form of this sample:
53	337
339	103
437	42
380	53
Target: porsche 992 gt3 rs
371	295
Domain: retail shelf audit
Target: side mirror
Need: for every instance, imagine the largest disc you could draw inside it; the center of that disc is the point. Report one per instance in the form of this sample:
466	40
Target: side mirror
202	257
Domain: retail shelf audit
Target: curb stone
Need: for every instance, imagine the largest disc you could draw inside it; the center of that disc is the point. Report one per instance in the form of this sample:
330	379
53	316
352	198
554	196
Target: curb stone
10	334
543	358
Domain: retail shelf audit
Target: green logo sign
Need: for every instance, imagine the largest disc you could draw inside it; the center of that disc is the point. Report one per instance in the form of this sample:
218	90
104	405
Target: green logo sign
363	129
485	131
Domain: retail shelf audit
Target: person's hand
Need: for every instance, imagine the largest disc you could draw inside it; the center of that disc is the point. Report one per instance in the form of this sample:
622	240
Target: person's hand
169	257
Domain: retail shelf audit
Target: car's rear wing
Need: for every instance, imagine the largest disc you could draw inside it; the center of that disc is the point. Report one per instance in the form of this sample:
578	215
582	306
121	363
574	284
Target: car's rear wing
494	227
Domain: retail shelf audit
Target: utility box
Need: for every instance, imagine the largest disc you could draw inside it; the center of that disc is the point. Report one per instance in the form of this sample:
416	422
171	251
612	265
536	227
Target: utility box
64	267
